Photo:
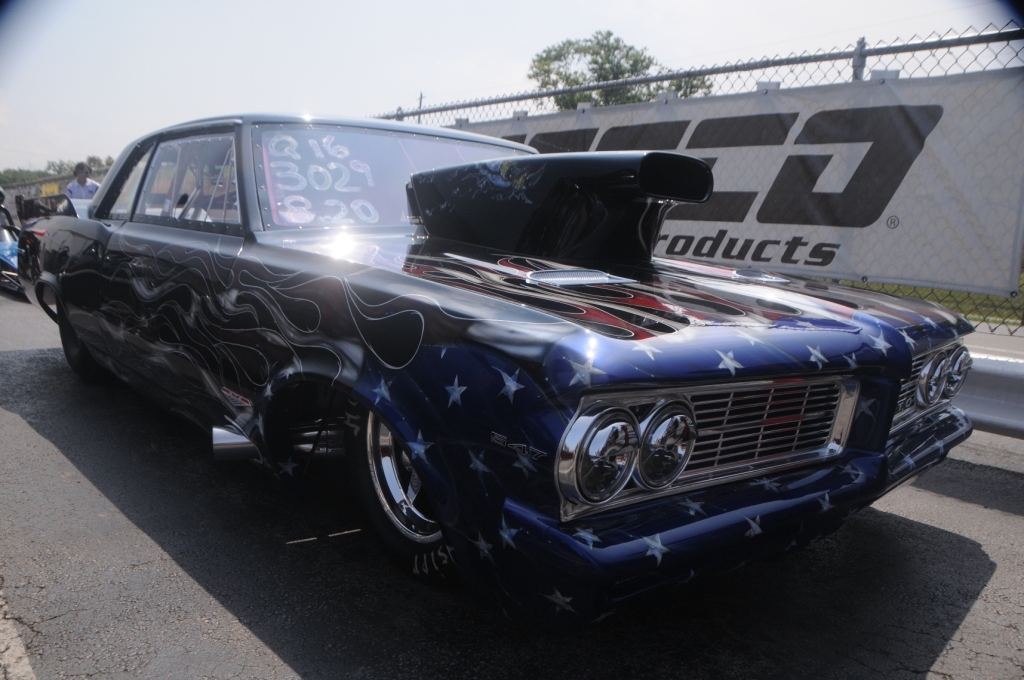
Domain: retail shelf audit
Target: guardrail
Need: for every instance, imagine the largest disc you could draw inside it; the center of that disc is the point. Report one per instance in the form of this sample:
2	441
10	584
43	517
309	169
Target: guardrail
993	395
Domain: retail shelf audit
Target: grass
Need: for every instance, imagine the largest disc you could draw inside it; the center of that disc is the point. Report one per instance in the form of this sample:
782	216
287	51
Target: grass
982	310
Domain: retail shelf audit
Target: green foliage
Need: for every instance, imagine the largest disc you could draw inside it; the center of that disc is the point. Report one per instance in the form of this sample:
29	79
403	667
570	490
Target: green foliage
53	168
600	58
97	162
15	175
60	167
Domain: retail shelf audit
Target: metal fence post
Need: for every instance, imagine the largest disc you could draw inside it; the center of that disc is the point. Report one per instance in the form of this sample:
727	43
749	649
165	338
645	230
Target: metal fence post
859	59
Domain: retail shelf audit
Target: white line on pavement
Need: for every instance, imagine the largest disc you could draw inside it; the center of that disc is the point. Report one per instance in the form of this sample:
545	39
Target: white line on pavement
13	658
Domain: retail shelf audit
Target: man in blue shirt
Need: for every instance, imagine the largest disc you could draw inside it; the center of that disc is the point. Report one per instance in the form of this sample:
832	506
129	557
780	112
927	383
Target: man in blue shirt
82	186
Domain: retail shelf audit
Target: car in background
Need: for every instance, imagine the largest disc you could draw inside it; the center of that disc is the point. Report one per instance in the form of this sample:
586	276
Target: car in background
8	249
520	392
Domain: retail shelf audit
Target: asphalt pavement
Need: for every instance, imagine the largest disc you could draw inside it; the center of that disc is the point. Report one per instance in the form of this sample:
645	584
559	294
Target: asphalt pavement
126	552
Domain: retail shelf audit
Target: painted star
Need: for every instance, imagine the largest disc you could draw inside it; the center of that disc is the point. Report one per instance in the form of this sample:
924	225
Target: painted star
478	463
561	602
654	547
693	507
690	577
511	385
266	391
484	547
880	344
851	359
909	461
649	350
455	393
584	372
587	536
852	470
382	391
755	526
906	336
766	484
524	463
750	338
603	616
419	447
931	322
864	407
729	362
826	503
288	467
507	534
817	357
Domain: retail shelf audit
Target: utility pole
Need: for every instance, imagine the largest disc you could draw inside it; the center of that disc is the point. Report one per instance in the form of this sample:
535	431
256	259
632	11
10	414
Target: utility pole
419	109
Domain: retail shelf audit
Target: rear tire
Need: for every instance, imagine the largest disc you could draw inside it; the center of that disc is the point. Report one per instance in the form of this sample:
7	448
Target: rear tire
77	354
392	496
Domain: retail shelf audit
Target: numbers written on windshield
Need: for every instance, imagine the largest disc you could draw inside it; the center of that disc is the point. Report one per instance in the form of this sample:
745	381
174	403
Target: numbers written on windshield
317	182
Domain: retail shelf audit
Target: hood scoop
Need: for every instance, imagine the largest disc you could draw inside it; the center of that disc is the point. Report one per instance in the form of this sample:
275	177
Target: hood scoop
585	207
573	277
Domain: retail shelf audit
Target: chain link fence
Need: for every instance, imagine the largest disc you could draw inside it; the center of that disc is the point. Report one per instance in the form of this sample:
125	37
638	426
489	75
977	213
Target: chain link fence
951	53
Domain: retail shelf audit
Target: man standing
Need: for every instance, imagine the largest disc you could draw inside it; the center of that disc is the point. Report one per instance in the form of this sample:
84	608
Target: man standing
82	186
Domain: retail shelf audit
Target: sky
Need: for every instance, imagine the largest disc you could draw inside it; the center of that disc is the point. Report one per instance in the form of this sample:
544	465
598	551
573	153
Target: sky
87	77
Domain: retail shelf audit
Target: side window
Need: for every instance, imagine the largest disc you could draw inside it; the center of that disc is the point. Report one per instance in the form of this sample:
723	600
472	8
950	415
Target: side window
122	208
192	183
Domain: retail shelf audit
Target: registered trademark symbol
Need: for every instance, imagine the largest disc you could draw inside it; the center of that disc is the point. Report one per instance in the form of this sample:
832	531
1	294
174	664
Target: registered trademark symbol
892	222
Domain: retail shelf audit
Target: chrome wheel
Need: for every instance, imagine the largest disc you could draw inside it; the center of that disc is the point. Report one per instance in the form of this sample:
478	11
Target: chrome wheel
398	485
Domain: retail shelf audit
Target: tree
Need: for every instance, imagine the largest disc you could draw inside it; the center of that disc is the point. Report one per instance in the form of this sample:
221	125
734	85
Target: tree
600	58
97	162
60	167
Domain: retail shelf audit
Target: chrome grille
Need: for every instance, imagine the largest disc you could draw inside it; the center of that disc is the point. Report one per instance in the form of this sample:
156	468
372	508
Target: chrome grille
906	406
908	391
737	426
744	430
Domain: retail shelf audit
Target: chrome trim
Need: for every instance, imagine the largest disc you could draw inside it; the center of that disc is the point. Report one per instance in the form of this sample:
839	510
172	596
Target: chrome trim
573	506
573	277
575	437
932	379
911	410
960	362
397	483
229	444
656	416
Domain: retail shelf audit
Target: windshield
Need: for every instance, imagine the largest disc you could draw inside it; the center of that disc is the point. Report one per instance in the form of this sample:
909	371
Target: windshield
324	175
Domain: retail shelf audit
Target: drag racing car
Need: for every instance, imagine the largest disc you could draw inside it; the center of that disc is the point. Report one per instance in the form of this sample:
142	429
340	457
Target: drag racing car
521	392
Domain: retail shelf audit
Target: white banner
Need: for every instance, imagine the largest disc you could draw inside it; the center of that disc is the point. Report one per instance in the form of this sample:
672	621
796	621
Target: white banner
917	181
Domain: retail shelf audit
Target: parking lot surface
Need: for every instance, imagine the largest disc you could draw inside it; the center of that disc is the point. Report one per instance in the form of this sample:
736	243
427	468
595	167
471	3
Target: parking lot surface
126	552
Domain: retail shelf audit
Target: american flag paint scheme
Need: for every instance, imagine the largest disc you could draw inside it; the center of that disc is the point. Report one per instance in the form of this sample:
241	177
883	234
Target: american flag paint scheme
525	396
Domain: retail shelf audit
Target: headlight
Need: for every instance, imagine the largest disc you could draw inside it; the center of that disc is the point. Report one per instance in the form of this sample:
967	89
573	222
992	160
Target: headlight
958	365
668	436
598	454
933	380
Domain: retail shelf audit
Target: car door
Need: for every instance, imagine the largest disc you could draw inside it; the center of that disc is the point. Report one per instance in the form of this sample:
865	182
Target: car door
174	264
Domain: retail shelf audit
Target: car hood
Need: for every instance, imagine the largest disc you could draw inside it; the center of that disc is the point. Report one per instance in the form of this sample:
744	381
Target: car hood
648	324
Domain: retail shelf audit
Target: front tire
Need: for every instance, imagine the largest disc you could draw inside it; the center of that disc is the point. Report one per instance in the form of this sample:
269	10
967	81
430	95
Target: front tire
77	354
391	493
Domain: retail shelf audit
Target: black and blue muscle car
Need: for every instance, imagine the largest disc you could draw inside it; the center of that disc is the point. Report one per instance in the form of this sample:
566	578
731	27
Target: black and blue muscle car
522	393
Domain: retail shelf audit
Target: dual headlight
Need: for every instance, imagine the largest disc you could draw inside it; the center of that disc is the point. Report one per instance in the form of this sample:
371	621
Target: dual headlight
942	376
606	447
